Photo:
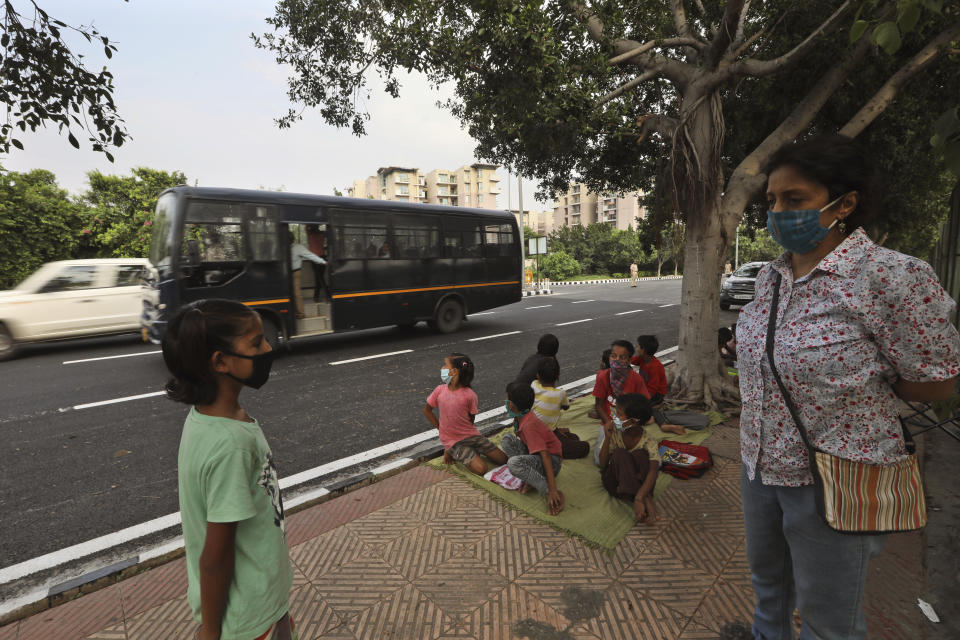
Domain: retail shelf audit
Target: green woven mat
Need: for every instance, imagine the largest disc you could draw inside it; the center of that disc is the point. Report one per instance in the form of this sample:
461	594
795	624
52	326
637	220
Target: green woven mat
589	511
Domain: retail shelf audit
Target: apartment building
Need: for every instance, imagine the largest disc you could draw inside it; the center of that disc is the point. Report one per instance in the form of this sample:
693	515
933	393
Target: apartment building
475	185
539	221
580	206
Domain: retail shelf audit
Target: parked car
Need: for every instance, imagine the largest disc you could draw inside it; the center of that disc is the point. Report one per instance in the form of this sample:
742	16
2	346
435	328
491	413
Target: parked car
740	286
72	298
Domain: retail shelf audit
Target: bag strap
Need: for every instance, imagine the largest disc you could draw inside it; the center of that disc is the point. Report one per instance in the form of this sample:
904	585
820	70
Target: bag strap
771	331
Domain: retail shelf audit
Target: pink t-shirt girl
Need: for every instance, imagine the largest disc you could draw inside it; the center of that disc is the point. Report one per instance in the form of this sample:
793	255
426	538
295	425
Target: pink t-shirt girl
456	407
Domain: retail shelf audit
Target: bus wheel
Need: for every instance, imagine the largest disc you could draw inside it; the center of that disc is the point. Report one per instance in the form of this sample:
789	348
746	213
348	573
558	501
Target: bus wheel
270	332
448	317
8	346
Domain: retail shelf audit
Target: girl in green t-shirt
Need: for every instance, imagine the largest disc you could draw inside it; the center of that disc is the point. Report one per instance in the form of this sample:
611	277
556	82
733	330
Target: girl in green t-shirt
238	562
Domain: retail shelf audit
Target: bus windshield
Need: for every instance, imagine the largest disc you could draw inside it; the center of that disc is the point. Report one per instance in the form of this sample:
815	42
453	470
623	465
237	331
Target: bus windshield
161	241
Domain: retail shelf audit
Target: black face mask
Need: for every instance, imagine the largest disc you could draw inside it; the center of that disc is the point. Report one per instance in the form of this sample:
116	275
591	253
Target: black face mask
261	368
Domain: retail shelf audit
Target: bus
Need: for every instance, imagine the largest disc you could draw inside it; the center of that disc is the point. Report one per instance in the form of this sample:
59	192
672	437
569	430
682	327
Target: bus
388	263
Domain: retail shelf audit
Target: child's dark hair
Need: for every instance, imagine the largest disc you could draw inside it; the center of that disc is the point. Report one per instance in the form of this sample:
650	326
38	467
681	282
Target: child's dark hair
464	366
626	344
839	164
548	371
636	406
521	395
724	335
649	344
192	336
605	358
548	345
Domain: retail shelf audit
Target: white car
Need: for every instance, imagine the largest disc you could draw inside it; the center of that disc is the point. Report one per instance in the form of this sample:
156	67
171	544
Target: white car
70	299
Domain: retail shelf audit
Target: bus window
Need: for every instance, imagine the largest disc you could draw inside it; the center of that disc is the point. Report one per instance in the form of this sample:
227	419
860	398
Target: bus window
499	240
416	237
264	246
461	238
361	235
213	248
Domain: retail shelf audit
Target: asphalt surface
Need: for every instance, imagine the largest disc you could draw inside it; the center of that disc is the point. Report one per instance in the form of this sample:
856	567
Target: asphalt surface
75	473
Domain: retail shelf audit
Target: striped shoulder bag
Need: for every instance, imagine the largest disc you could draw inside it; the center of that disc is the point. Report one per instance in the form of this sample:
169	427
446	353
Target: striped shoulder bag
856	497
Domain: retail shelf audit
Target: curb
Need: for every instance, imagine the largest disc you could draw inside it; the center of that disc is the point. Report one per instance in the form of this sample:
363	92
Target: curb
536	292
609	280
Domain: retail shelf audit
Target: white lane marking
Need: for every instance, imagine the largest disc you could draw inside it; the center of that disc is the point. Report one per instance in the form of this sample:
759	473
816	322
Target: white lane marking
563	324
496	335
539	306
666	351
482	313
623	313
88	405
581	301
379	355
126	355
672	304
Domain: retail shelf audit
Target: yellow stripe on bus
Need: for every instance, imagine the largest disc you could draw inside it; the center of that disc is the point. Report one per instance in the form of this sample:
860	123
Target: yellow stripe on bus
277	301
451	286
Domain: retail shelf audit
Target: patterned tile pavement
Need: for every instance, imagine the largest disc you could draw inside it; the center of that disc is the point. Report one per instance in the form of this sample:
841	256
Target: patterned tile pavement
424	556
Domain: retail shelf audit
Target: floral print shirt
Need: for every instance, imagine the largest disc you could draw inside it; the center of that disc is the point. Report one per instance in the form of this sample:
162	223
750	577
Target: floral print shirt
845	332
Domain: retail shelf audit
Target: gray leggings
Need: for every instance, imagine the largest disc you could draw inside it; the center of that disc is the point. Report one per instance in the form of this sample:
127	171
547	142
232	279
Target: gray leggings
527	467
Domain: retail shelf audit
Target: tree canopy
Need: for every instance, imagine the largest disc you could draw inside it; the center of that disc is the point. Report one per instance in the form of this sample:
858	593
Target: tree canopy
43	81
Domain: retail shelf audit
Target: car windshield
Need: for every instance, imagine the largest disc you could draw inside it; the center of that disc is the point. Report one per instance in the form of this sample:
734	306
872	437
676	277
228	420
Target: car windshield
748	271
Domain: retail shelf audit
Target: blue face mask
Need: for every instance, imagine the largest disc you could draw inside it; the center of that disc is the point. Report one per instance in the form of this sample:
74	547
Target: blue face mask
512	413
617	422
799	231
445	375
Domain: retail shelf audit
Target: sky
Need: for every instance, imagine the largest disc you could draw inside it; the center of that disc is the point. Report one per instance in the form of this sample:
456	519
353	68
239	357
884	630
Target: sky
198	97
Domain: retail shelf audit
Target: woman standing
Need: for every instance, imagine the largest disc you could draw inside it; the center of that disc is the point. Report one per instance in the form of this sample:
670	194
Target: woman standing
857	327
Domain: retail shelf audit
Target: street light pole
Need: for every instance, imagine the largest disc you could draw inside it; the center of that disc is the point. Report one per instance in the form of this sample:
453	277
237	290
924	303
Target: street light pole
736	255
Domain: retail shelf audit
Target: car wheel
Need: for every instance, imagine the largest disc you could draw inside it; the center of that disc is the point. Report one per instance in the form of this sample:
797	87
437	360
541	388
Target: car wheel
725	306
8	346
448	317
270	332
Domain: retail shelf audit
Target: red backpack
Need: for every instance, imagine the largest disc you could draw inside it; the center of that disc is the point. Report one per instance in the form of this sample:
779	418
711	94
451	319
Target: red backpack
683	460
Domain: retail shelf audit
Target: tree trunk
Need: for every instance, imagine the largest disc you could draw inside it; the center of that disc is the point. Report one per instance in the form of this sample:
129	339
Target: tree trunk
698	379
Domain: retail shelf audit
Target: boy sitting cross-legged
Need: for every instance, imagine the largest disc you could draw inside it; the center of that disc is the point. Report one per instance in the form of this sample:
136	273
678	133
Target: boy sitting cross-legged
534	451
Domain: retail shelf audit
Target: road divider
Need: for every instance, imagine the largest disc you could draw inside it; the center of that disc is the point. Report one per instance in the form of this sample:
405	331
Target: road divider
379	355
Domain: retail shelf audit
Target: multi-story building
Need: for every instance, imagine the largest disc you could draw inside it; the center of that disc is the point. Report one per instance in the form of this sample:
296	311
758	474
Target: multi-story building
475	185
539	221
580	206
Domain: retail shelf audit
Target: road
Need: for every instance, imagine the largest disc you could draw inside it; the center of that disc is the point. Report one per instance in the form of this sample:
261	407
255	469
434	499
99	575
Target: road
79	468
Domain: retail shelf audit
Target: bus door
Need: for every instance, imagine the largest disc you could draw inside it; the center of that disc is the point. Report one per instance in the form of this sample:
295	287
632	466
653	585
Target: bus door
304	233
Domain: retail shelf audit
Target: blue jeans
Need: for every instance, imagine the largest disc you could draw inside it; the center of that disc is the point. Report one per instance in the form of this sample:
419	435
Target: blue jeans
796	560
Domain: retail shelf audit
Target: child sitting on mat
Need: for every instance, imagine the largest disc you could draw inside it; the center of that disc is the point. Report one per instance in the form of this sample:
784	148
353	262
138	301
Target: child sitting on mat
534	451
549	402
628	457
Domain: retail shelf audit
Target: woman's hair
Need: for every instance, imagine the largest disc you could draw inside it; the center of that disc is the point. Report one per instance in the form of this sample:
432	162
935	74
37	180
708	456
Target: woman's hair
605	358
463	365
193	335
840	165
521	395
549	371
635	406
626	344
649	344
548	345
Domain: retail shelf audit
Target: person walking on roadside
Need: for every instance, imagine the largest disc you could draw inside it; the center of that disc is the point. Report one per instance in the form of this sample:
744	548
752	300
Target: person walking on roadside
634	271
238	561
857	327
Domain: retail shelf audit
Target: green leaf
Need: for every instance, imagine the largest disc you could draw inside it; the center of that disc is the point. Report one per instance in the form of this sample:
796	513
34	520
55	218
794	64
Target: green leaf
947	124
16	143
73	140
909	17
857	30
933	5
107	51
887	37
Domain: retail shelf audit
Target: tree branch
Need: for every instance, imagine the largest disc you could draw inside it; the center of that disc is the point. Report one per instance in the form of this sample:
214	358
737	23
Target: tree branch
680	18
885	95
741	25
726	32
595	28
627	86
650	123
736	51
758	68
647	46
749	174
